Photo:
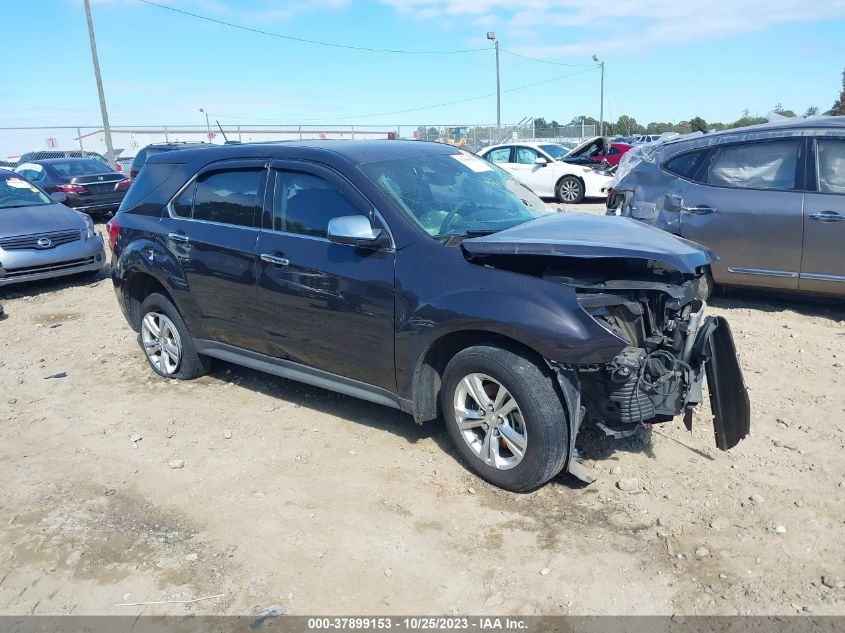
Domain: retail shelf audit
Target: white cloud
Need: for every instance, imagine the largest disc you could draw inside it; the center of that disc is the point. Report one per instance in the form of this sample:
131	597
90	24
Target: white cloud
645	23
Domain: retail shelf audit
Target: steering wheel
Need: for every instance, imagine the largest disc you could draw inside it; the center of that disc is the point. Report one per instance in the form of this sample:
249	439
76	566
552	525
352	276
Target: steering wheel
451	215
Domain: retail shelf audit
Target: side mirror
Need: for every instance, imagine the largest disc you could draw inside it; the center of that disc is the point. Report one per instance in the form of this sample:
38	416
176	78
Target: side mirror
540	161
59	197
356	230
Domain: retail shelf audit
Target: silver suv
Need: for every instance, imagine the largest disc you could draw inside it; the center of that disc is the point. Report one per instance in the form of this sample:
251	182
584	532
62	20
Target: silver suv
769	199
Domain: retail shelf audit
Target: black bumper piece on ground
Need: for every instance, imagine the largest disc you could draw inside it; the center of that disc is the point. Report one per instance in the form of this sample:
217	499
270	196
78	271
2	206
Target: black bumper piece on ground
728	395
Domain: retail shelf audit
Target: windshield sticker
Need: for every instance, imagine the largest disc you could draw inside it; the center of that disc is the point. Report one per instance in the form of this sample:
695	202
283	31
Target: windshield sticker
473	162
17	183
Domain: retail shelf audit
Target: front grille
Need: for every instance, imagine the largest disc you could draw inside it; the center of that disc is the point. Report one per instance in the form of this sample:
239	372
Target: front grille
56	238
11	273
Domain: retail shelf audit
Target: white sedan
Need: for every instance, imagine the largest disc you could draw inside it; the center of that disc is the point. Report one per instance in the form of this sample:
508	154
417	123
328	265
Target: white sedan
539	167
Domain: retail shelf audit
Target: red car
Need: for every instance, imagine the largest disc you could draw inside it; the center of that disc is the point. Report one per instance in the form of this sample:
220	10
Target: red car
596	150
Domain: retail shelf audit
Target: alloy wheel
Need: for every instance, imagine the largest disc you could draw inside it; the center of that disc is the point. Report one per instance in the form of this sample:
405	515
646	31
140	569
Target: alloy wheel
161	342
490	421
570	190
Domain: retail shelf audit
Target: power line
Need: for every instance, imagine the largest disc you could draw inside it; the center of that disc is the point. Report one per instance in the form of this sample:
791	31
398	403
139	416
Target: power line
428	107
546	61
303	40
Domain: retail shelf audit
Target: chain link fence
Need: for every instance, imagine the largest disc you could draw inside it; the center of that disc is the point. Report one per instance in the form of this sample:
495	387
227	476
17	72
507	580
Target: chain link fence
127	140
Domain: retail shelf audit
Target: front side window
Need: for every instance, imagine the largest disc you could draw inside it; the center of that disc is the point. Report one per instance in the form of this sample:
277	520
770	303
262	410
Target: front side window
500	155
830	165
455	194
228	197
526	155
686	165
304	204
770	165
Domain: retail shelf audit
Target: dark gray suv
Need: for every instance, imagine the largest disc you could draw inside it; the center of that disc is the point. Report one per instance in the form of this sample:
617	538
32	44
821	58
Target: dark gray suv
769	199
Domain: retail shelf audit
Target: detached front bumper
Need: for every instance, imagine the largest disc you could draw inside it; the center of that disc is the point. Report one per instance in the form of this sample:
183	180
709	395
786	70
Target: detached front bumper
83	255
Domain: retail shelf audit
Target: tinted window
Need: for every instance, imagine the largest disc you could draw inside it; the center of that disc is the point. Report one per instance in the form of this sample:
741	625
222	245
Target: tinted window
79	167
526	155
555	151
183	205
229	197
755	165
686	165
830	158
304	204
500	155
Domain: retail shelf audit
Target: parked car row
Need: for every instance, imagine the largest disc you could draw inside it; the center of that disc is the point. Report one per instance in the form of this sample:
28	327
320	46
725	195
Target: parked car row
768	199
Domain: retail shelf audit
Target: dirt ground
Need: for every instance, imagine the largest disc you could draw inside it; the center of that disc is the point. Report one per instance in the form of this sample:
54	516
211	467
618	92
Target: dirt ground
120	487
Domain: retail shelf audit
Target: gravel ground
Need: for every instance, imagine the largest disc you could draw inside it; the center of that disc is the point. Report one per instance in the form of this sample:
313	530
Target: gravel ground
121	487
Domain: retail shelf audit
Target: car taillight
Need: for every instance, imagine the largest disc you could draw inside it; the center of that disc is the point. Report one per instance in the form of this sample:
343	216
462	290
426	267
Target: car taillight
71	188
615	198
113	227
123	185
118	167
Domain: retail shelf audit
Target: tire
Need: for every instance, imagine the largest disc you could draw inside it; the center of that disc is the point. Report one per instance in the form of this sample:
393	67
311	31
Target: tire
179	358
570	190
537	422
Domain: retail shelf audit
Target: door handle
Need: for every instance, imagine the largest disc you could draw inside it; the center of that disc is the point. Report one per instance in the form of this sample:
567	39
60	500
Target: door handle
827	216
178	237
702	210
274	259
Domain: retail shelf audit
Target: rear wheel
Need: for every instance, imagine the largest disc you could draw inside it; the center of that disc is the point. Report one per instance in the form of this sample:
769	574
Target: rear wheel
570	190
166	342
505	417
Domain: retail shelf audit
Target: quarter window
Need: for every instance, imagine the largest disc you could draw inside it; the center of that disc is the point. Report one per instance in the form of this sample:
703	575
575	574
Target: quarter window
686	165
526	155
500	155
228	197
830	165
304	204
184	204
770	165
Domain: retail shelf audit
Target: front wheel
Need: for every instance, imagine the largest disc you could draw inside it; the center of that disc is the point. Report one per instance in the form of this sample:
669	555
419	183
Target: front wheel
166	342
505	417
570	190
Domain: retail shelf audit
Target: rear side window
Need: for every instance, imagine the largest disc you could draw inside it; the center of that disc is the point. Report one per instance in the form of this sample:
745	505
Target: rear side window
183	206
500	155
304	204
686	165
830	165
770	165
228	197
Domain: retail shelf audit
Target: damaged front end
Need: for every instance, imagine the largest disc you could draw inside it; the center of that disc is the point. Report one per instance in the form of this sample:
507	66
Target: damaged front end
659	375
649	300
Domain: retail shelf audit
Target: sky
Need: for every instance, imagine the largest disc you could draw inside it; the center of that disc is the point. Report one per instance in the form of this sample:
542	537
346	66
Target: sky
666	60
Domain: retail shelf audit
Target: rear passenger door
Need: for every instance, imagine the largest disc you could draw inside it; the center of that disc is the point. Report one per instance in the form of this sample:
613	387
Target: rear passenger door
823	262
212	228
747	206
322	304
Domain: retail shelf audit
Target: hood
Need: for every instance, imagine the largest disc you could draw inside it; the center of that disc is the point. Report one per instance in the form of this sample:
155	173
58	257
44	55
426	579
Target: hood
38	219
579	149
593	236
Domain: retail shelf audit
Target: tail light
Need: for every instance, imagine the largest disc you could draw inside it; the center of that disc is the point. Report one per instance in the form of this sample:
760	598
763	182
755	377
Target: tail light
118	167
113	227
70	188
123	185
615	198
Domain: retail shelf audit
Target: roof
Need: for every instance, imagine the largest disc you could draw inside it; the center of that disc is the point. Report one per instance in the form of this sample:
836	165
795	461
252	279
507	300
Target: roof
354	151
783	125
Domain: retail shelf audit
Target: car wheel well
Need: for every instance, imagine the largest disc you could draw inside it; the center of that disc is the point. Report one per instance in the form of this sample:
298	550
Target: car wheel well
429	372
137	288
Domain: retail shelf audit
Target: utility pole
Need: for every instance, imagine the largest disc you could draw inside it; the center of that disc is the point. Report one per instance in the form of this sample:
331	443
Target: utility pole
492	36
106	128
601	107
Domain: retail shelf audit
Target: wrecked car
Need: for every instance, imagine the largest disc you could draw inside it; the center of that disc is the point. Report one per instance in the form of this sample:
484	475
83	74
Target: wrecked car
599	149
769	199
418	276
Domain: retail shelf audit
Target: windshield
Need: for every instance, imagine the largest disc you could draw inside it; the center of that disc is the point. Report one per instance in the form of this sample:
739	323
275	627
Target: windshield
456	194
555	151
17	192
